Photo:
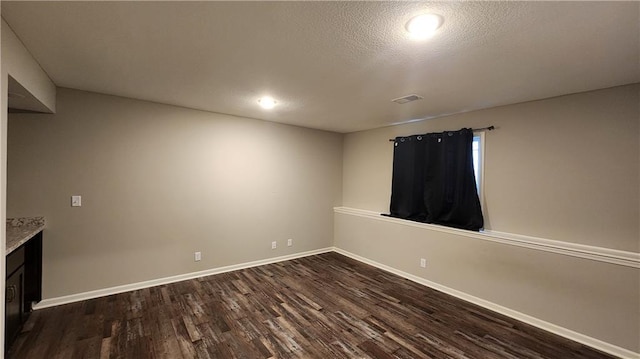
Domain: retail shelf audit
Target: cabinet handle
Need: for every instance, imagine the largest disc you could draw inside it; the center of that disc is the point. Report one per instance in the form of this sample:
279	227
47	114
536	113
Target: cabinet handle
11	293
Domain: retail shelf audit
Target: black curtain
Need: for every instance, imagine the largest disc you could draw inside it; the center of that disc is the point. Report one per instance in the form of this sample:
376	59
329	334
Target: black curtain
433	180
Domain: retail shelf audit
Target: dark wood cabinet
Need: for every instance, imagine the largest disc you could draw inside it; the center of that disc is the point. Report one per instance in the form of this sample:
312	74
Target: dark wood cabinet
32	273
14	305
23	286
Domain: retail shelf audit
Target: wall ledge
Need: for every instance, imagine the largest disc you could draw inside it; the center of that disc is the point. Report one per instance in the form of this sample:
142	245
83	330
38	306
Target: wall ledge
600	254
539	323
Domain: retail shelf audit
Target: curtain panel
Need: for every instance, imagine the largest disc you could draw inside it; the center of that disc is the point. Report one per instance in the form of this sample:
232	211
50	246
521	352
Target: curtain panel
434	182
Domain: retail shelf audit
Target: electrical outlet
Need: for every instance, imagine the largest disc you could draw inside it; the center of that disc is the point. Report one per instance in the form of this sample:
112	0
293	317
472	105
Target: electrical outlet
289	242
197	256
274	245
423	263
76	201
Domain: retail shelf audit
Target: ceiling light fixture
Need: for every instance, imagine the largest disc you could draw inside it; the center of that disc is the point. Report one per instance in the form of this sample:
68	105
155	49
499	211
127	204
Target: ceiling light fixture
424	26
267	102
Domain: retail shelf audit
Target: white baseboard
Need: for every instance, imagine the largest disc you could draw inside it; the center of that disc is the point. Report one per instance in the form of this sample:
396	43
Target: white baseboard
553	328
550	327
51	302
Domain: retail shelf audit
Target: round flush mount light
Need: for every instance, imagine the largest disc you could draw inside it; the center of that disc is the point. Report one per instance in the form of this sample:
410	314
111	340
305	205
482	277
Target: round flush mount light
267	102
424	26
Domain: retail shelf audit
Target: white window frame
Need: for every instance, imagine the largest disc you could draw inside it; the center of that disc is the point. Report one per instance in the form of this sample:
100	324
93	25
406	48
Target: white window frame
479	172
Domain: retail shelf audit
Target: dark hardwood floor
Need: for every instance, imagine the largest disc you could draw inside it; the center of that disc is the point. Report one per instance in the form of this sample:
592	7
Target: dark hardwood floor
324	306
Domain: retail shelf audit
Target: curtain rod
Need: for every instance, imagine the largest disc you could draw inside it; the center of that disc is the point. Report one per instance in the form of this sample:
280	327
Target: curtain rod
490	128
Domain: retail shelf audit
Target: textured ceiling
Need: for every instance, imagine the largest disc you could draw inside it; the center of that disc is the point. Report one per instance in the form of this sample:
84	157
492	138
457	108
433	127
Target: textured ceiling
331	65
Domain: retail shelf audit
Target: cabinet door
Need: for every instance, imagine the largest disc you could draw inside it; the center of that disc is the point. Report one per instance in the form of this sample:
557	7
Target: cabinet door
13	306
32	273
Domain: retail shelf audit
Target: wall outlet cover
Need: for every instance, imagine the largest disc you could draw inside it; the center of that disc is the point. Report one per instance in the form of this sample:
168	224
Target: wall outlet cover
76	201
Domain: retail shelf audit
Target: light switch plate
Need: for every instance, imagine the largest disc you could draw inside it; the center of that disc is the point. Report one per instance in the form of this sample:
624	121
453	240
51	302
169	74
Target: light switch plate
76	201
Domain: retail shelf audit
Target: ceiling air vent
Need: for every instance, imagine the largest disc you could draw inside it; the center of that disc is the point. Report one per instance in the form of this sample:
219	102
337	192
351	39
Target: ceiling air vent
405	99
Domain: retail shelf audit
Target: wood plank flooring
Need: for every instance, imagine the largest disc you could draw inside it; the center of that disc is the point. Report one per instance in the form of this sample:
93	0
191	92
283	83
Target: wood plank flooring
323	306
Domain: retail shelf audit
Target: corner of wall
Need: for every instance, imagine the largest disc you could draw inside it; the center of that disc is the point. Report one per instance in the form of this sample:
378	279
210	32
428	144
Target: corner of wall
22	67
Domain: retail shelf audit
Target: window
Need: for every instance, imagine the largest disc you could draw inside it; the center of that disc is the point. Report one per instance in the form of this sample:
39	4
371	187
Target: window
477	148
433	178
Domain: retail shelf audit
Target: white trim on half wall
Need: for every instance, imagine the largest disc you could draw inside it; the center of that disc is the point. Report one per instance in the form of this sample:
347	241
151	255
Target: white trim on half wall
601	254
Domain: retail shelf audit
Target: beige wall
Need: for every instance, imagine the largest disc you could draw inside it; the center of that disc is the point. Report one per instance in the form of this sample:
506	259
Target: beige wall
16	61
600	300
565	169
160	182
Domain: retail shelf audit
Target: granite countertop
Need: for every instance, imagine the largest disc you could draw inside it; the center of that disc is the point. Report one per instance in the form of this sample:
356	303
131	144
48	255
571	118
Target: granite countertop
20	230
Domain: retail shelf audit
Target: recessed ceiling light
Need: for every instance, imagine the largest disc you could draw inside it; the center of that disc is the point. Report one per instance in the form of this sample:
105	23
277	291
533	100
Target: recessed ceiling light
423	26
267	102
